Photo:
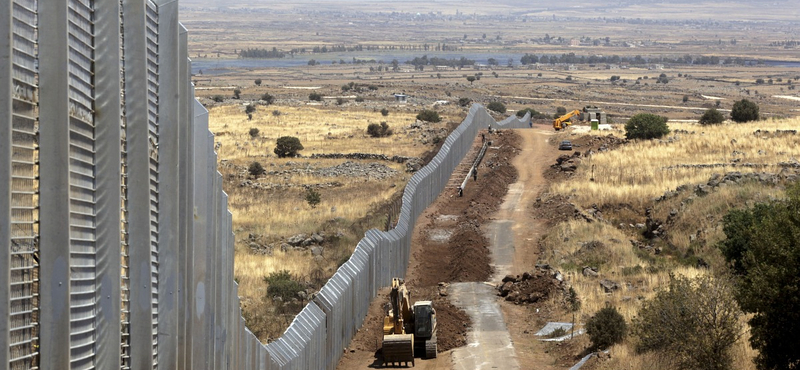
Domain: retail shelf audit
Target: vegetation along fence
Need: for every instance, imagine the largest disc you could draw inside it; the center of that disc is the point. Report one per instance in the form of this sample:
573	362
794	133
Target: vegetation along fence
119	249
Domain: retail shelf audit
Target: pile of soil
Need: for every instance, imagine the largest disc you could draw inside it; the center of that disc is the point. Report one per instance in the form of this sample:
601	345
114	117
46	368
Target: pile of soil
532	287
594	143
554	209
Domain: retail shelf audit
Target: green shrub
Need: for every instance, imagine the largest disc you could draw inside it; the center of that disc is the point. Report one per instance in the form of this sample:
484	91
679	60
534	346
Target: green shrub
249	108
267	98
256	169
359	99
379	130
218	98
287	146
712	117
429	116
281	284
534	114
237	93
384	112
314	97
313	198
339	101
464	101
744	111
606	328
254	132
496	106
646	126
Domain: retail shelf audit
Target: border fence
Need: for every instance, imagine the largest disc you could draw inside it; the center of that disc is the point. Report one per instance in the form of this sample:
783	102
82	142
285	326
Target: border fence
119	245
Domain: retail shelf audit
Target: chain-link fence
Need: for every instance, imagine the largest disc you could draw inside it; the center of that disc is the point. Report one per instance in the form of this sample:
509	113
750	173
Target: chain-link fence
119	244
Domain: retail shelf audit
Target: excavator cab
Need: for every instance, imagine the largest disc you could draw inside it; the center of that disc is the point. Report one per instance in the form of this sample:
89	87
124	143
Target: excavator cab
425	329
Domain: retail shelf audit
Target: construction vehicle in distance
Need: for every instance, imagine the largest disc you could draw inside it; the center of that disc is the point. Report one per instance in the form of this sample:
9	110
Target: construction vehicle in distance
408	329
563	121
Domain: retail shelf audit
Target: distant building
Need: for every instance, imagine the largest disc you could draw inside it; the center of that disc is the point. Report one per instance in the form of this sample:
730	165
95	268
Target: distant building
572	67
401	98
574	42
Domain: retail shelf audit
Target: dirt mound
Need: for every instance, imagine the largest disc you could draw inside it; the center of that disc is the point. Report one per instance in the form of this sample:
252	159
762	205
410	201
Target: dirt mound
554	209
593	143
533	287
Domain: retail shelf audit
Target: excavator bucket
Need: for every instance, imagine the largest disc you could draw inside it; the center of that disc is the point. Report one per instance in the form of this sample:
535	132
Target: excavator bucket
398	349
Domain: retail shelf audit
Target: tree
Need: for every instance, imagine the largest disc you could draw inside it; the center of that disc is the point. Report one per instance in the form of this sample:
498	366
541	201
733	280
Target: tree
686	98
258	82
312	62
646	126
471	79
256	169
384	112
744	111
560	111
712	117
339	101
313	198
253	132
606	328
429	116
762	246
267	98
287	146
315	96
236	93
249	108
379	130
497	107
694	321
534	114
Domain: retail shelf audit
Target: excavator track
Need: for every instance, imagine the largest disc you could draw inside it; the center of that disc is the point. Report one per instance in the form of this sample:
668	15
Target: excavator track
430	347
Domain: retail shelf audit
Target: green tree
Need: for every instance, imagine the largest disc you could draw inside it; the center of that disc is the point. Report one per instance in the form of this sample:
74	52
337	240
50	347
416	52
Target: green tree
218	98
237	93
249	108
744	111
287	146
763	247
471	79
313	198
314	97
606	328
256	169
712	117
254	132
384	112
534	114
686	98
379	130
258	82
646	126
429	116
267	98
560	111
496	106
694	321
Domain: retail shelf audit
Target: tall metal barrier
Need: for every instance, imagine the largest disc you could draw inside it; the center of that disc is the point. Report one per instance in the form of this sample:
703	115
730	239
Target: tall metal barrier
118	244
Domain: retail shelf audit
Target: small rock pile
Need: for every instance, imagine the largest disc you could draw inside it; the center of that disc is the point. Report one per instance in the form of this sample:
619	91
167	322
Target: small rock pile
532	287
375	171
567	163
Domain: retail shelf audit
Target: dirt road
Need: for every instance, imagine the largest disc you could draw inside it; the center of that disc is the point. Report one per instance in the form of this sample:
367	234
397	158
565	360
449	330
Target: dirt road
452	240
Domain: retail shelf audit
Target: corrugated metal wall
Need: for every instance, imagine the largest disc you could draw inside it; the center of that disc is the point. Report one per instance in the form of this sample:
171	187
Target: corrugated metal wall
118	242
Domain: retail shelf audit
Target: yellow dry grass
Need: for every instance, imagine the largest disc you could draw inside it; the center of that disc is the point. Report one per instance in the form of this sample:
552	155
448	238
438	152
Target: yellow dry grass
642	170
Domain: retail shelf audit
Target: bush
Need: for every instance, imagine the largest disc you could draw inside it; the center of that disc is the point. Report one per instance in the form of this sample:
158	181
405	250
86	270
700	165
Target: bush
249	108
253	132
218	98
606	328
429	116
384	112
313	198
287	146
686	98
256	169
282	284
237	93
744	111
534	114
693	321
258	82
379	130
339	101
646	126
267	98
315	97
496	106
464	101
560	111
712	117
359	99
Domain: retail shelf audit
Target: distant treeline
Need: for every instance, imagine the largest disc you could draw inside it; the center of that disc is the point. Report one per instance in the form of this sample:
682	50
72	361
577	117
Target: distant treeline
571	58
261	53
436	61
358	47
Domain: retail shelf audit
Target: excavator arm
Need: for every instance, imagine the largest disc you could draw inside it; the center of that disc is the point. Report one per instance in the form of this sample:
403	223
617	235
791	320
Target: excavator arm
563	121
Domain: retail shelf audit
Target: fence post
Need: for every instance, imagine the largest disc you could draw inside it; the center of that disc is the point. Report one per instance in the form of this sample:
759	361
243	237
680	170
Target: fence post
54	260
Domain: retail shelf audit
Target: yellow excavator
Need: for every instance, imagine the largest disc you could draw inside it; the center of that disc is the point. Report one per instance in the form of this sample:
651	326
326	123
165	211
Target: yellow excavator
408	329
563	121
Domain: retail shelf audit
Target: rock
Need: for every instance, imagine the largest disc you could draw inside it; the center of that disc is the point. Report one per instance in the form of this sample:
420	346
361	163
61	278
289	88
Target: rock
558	276
590	272
285	247
512	296
510	278
702	190
505	288
317	238
609	286
317	250
296	240
526	276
